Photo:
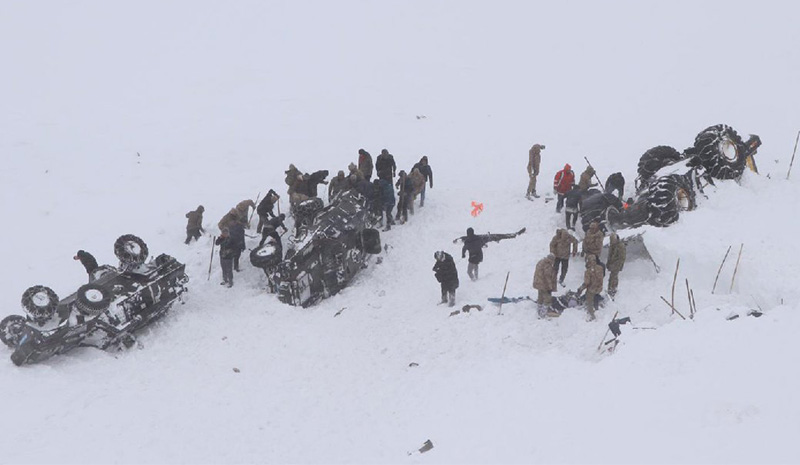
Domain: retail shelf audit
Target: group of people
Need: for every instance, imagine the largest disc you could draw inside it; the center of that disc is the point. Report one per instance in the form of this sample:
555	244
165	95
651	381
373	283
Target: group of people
379	193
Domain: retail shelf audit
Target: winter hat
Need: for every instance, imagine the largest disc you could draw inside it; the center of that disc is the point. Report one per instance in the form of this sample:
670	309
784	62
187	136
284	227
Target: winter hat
340	173
567	167
470	232
384	152
424	158
362	152
439	256
201	208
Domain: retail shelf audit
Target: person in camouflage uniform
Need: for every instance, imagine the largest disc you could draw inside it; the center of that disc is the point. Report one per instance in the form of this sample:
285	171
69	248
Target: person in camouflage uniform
338	184
544	281
291	178
534	160
231	217
616	260
585	181
560	247
593	241
592	283
243	208
194	225
418	180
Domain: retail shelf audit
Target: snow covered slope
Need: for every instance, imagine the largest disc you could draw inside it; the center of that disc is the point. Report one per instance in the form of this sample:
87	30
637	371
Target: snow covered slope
119	118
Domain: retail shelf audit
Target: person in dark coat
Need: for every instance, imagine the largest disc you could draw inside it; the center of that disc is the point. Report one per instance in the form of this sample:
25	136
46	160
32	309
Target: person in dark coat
385	166
265	208
194	225
447	275
387	200
474	245
572	206
338	184
365	164
405	195
227	250
615	182
88	261
424	168
271	230
236	231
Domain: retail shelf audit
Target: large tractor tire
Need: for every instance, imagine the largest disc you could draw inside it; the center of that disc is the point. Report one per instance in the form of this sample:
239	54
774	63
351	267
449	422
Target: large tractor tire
265	256
653	160
130	250
11	330
40	302
93	299
720	151
667	197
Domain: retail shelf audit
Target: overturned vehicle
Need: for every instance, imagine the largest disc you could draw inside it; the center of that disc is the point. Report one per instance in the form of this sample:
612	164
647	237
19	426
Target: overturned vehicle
668	181
104	313
332	245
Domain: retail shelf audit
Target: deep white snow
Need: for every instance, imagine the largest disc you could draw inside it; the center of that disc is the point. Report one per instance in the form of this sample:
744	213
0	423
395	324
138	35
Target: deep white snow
119	117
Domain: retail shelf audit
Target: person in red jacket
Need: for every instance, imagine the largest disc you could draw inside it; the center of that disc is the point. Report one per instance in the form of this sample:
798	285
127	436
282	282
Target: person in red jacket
562	184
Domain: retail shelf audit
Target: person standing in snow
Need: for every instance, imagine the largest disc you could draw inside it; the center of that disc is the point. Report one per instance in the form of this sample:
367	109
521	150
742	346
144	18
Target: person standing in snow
562	184
592	283
337	185
572	206
365	164
385	166
405	196
236	231
291	178
271	230
593	241
426	170
473	244
418	181
560	249
265	207
194	225
585	182
227	250
615	182
387	200
616	260
534	159
231	217
544	281
88	261
446	273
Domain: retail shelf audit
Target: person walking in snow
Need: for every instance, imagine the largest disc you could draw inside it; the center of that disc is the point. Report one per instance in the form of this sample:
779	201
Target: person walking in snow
88	261
426	170
405	196
236	231
615	262
227	250
585	183
194	224
562	184
572	206
534	160
615	182
473	244
385	166
265	208
365	164
544	281
592	283
387	200
446	273
560	247
418	182
593	241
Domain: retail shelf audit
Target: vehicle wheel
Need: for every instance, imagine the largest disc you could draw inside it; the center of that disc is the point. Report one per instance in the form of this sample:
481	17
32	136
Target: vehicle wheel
130	250
667	197
266	256
101	271
371	241
613	218
11	330
40	303
719	150
655	159
92	299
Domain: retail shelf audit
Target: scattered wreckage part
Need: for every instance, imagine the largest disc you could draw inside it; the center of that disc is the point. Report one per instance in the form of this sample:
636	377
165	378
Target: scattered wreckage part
11	330
40	302
130	250
93	299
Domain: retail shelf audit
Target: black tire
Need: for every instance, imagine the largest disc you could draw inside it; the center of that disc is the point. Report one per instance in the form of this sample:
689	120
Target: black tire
40	302
667	197
93	299
101	271
265	256
653	160
371	241
130	250
11	329
720	151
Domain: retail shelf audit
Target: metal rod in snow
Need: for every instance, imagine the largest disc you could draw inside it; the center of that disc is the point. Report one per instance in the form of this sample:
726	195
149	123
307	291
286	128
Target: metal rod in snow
689	298
258	197
675	278
675	310
694	304
720	269
211	262
500	310
595	174
607	330
793	153
737	267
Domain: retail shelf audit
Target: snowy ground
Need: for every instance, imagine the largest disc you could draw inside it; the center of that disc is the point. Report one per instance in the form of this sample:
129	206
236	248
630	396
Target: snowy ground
119	118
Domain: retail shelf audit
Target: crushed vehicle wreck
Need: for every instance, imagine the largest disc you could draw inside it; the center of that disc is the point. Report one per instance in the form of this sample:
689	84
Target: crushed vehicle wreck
333	244
668	181
104	313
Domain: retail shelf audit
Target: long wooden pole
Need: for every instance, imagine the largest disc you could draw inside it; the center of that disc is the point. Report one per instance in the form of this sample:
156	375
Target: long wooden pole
793	153
694	304
689	297
672	307
607	330
595	174
675	278
213	243
258	197
500	310
736	268
720	269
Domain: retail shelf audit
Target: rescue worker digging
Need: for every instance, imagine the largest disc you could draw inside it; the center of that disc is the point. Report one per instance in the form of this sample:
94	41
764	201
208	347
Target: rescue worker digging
544	281
593	284
616	260
560	249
